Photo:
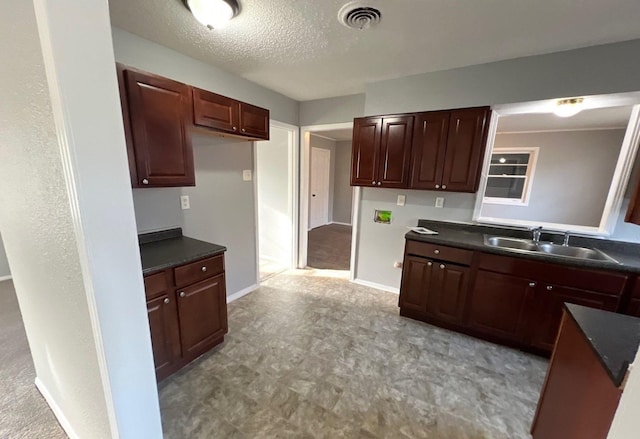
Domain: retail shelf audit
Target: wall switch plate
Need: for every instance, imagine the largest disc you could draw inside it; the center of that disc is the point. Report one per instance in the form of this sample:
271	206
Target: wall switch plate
184	202
246	175
440	202
401	200
397	264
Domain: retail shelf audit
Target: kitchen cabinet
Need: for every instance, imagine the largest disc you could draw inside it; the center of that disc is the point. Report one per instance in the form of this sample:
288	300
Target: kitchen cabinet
448	149
226	115
381	151
157	113
187	310
447	297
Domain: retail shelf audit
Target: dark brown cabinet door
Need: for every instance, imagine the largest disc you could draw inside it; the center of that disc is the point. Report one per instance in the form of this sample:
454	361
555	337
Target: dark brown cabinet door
160	114
254	121
466	143
395	152
215	111
416	283
202	309
165	340
501	305
550	298
448	292
428	150
365	151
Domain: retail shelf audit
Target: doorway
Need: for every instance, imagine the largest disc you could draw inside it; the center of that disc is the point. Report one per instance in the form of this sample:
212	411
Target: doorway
275	176
328	210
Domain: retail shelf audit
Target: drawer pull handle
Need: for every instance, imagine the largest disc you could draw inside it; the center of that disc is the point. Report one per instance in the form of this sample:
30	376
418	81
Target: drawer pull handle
182	294
442	266
166	301
429	263
437	186
532	284
145	181
204	269
444	186
436	251
549	287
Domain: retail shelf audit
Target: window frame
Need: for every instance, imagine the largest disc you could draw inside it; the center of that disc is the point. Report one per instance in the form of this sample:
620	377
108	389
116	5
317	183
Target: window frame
523	201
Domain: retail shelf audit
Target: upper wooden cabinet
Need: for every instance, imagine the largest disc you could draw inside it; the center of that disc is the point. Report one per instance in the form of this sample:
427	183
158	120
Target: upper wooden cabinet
157	114
227	115
381	151
437	150
448	148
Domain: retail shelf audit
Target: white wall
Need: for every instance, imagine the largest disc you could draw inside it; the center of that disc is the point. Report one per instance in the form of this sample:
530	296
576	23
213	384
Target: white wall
570	164
342	191
331	110
330	145
4	263
599	69
69	232
272	177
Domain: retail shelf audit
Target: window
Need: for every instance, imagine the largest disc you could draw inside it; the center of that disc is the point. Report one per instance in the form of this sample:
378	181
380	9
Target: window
510	176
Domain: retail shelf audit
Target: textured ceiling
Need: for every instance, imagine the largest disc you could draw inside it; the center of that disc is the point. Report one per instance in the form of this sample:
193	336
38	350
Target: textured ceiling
598	118
298	48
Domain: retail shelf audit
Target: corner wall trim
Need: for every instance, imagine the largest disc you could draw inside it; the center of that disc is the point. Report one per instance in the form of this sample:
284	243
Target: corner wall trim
57	411
241	293
3	278
378	286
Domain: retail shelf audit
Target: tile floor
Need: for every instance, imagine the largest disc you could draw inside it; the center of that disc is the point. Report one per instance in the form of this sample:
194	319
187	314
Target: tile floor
310	355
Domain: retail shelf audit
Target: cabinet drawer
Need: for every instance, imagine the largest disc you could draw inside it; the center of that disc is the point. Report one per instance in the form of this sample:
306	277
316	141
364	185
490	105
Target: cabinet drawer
439	252
156	284
196	271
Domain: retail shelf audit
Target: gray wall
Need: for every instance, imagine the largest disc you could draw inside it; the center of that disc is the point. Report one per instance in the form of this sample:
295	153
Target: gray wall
600	69
137	52
342	190
572	176
328	144
331	110
272	177
4	264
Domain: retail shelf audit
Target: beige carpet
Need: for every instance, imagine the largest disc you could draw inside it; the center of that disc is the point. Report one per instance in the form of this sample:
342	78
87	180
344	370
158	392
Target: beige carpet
330	247
23	411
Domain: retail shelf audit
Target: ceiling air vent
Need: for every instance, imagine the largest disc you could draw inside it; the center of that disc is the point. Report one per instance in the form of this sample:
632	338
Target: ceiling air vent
359	15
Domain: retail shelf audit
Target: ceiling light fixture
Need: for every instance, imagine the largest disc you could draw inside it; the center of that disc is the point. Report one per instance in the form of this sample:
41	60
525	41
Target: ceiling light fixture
214	14
569	107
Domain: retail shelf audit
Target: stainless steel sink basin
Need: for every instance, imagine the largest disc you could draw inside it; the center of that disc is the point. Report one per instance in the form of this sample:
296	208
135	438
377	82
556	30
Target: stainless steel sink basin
512	243
574	252
530	246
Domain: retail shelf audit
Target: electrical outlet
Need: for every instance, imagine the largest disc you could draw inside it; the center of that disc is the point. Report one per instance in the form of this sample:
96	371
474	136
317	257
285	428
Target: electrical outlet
401	200
246	175
440	202
397	264
184	202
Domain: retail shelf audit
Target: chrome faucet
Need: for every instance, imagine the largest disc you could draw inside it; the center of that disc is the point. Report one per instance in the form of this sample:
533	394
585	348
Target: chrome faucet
567	235
537	232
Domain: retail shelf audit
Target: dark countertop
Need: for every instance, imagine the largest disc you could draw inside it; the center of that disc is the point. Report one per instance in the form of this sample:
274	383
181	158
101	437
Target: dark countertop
471	236
613	337
168	248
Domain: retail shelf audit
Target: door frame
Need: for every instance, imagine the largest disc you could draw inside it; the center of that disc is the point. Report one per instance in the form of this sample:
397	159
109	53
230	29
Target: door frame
326	212
292	189
303	217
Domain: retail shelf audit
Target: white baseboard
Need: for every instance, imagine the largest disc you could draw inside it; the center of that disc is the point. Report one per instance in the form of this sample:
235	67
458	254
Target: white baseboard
3	278
241	293
338	222
378	286
57	411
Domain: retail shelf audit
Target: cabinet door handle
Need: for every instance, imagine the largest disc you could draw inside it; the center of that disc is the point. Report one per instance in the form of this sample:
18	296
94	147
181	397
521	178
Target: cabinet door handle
166	301
436	251
442	266
204	269
437	186
379	183
532	284
182	294
243	130
145	181
373	182
444	186
429	263
235	128
549	287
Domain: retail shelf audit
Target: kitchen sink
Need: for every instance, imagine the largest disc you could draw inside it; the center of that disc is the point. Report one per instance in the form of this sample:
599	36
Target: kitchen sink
530	246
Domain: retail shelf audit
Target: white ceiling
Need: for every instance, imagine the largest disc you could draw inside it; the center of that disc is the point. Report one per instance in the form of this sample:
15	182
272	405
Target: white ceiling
298	48
598	118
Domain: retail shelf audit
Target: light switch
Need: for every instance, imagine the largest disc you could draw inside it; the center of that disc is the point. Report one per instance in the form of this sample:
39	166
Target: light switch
440	202
184	202
401	200
246	175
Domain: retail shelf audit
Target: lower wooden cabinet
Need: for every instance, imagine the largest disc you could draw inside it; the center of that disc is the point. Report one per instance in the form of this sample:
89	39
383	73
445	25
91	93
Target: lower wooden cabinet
186	322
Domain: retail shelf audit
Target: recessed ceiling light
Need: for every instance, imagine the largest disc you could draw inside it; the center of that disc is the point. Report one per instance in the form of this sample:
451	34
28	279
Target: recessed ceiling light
214	14
568	107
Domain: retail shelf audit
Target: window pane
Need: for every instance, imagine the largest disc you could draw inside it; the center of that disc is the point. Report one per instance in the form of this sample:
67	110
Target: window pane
507	170
509	159
505	187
